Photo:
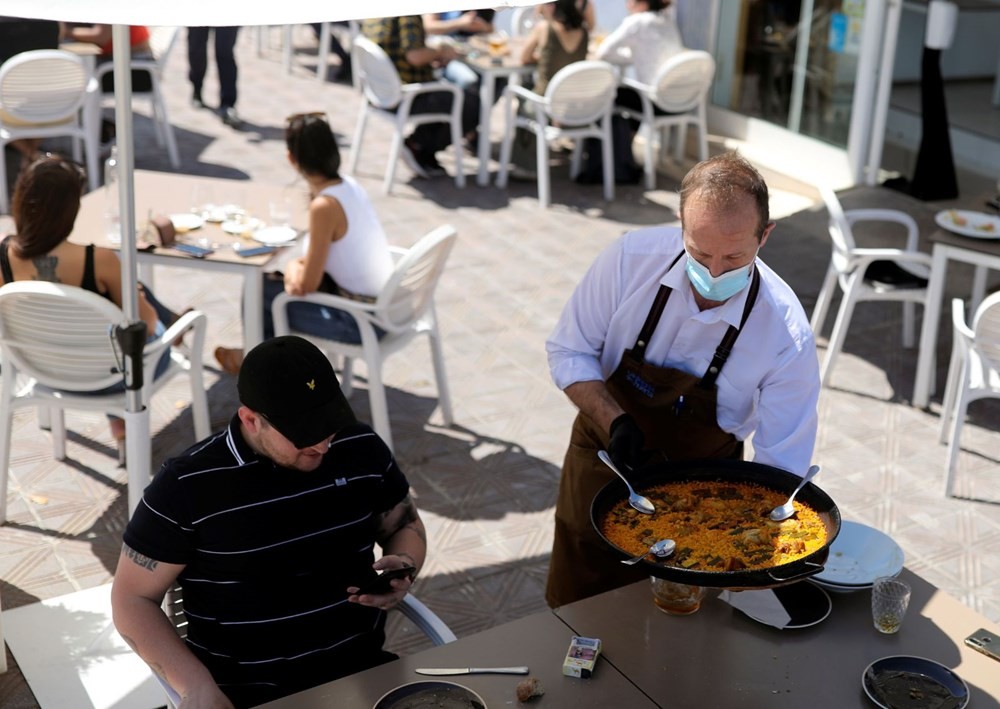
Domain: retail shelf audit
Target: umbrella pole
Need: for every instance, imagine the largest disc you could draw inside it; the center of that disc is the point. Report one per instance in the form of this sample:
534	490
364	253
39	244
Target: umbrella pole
132	336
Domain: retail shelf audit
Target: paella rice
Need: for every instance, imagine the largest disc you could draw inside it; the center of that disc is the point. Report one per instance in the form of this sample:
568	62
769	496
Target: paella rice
718	526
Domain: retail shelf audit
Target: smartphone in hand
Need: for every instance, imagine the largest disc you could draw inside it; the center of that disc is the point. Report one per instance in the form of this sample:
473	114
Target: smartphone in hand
380	584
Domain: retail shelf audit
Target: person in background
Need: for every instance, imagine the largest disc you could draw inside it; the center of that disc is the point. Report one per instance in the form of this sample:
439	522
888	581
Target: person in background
651	349
459	25
270	527
225	62
557	40
101	36
346	250
586	9
404	40
345	73
46	202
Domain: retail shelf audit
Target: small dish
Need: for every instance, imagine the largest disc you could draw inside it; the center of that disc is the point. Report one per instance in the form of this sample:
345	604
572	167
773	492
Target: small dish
274	235
909	682
186	222
858	556
241	226
431	693
978	225
213	213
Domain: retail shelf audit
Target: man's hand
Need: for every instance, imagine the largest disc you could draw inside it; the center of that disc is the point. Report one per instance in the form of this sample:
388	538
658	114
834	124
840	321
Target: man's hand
400	586
626	444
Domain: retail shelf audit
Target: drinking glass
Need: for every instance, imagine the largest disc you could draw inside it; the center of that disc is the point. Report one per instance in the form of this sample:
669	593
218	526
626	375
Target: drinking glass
676	598
202	201
890	597
280	211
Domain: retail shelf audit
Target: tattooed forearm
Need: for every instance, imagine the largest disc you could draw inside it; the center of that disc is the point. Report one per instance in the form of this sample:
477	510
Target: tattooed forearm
139	559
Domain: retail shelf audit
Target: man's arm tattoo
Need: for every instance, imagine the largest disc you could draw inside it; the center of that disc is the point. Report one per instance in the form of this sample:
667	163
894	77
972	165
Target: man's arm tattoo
407	517
139	559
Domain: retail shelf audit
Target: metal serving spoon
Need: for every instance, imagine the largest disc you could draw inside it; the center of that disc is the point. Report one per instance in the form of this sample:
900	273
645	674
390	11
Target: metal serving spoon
635	499
662	548
783	512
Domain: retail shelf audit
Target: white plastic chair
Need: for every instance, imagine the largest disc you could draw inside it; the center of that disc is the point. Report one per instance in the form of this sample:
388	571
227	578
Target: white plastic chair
681	90
404	309
161	41
974	372
386	97
426	620
886	274
577	104
59	338
522	20
42	94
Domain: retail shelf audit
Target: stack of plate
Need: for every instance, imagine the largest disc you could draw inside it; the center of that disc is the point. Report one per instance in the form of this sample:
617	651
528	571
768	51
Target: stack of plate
858	556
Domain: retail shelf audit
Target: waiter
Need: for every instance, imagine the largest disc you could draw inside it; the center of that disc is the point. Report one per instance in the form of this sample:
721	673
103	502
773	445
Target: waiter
678	344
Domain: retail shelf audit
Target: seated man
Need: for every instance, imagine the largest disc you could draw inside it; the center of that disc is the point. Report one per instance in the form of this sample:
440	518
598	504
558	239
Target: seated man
403	39
269	527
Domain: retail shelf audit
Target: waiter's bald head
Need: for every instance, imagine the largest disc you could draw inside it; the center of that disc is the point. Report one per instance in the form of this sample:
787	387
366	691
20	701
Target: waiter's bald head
725	181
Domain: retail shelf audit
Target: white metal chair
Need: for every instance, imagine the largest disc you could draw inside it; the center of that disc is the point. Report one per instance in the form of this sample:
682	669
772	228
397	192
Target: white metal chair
886	274
577	104
426	620
404	309
59	338
974	372
386	97
681	91
162	41
42	95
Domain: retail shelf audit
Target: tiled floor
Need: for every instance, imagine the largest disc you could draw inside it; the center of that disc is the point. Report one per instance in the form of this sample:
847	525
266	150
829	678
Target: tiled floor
486	486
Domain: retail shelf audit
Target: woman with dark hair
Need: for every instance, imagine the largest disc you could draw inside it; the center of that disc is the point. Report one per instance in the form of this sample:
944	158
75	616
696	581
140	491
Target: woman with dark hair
346	251
45	204
556	41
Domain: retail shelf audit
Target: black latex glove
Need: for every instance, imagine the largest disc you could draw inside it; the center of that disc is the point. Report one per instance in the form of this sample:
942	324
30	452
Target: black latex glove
626	444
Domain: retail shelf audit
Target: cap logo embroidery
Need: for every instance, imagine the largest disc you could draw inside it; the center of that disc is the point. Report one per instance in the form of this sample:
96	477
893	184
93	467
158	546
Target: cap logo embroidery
311	384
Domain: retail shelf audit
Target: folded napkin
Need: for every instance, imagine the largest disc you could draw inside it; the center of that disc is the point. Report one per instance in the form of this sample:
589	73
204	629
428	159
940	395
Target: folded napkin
763	606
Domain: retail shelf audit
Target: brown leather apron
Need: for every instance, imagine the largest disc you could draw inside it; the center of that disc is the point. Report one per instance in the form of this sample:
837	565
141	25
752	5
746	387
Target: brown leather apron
677	413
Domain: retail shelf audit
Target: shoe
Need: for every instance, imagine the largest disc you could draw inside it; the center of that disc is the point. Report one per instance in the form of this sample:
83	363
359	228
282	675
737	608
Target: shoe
431	166
410	158
229	359
522	174
107	131
231	118
196	100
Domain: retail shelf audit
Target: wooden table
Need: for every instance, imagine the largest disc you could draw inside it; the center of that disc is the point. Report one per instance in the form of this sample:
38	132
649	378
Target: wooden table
718	657
539	641
981	253
165	193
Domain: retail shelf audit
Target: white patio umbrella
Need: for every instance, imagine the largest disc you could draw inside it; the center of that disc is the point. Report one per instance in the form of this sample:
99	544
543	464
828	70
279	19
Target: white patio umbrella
186	13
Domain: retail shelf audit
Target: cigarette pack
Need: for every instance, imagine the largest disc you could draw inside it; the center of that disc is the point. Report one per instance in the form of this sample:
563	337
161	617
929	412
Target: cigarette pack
581	657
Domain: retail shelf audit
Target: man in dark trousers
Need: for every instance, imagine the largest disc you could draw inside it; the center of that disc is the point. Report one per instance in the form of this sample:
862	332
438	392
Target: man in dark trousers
225	62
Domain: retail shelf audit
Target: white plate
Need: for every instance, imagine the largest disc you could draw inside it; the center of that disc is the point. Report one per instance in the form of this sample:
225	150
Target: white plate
859	555
274	235
976	224
244	226
186	221
833	588
909	682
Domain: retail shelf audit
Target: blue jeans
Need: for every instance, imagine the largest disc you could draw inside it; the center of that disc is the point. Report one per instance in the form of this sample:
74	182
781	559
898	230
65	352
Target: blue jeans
310	318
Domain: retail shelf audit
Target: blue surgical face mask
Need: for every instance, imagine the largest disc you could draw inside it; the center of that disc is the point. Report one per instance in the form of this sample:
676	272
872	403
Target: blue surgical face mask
718	288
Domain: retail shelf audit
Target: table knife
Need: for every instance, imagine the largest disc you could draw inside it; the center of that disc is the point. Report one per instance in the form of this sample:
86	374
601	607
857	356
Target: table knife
471	670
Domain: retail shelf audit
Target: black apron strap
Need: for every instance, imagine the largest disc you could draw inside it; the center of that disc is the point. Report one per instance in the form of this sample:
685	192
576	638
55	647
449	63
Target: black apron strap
659	303
725	347
5	270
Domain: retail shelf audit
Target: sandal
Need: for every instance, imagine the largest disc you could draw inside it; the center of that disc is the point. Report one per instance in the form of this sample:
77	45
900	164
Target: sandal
231	359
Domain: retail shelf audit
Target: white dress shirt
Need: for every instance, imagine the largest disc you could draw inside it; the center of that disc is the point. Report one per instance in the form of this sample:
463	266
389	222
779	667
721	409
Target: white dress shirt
645	40
768	387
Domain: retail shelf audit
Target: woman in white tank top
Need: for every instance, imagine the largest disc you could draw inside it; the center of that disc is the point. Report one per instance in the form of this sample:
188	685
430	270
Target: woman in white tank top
346	251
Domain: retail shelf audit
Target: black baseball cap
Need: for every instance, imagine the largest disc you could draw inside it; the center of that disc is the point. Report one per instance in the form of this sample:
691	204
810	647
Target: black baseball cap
291	383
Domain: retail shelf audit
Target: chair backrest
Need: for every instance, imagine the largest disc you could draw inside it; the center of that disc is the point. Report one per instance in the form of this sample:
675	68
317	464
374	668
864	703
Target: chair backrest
522	20
839	227
60	335
409	293
162	40
683	81
986	330
379	78
581	93
43	85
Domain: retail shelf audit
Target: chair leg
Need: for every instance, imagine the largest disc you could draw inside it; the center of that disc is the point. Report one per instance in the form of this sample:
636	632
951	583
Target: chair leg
956	435
649	133
542	168
507	144
286	48
359	134
4	199
444	394
608	155
952	382
909	317
456	144
377	403
199	404
395	147
823	300
323	57
839	330
7	377
59	434
347	377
